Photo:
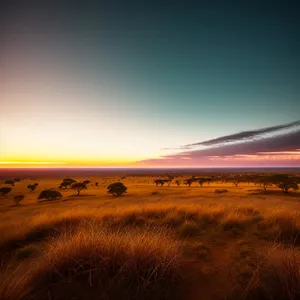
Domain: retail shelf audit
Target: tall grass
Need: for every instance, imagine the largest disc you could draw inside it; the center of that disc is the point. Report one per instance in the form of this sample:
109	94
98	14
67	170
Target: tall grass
135	251
282	226
277	277
96	262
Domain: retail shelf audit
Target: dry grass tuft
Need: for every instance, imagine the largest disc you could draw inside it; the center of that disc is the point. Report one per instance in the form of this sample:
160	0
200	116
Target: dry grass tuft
96	261
278	277
189	228
236	220
282	226
14	284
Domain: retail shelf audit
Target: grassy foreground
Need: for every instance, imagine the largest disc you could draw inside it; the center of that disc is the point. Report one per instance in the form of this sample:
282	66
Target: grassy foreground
158	247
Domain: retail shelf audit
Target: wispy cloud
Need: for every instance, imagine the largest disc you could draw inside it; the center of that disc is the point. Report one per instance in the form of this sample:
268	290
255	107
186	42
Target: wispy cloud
281	148
246	135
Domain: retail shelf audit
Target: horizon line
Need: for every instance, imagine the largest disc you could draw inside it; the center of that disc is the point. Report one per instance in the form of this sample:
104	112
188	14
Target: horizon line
154	167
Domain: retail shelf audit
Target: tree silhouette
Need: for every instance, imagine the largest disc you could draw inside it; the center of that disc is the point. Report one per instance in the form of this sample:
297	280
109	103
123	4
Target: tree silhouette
189	181
160	182
170	179
201	181
31	187
69	180
18	199
78	186
178	182
284	182
265	182
65	184
117	189
236	180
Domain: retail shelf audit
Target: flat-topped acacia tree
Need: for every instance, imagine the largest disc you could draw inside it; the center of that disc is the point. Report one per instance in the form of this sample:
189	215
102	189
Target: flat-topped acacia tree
78	186
264	182
284	182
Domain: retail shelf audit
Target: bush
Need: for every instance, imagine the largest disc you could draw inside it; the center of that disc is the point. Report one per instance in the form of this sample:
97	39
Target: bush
10	182
50	194
5	191
221	191
18	199
189	228
69	180
117	189
31	187
65	184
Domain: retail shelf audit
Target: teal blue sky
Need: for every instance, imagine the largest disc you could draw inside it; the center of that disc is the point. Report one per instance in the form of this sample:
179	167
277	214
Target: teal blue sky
164	74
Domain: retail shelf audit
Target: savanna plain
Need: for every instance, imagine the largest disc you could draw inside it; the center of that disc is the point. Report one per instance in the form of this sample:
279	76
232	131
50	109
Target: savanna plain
192	235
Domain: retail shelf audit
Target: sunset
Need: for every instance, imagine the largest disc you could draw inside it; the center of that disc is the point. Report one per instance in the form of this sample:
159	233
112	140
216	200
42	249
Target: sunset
113	86
150	150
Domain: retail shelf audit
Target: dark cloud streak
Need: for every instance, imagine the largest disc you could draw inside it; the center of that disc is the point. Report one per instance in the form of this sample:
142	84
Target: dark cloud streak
280	142
245	135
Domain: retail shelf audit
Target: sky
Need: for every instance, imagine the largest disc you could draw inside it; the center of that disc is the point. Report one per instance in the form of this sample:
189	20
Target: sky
146	83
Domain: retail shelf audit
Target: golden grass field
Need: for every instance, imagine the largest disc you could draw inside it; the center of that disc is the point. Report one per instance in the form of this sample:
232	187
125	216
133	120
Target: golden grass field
151	243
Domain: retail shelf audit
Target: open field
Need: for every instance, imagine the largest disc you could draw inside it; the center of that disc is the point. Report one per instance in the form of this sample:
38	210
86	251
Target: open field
169	242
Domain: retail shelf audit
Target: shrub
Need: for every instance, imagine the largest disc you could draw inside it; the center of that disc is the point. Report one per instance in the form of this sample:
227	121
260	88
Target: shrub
221	191
50	194
69	179
5	191
65	184
10	182
31	187
189	228
18	199
235	220
117	189
155	193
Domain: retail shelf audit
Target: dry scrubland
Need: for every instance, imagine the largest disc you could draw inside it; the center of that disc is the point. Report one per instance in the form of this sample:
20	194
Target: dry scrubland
152	243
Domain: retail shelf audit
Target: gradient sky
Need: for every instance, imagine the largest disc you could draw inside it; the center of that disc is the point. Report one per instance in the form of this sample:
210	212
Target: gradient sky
122	83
